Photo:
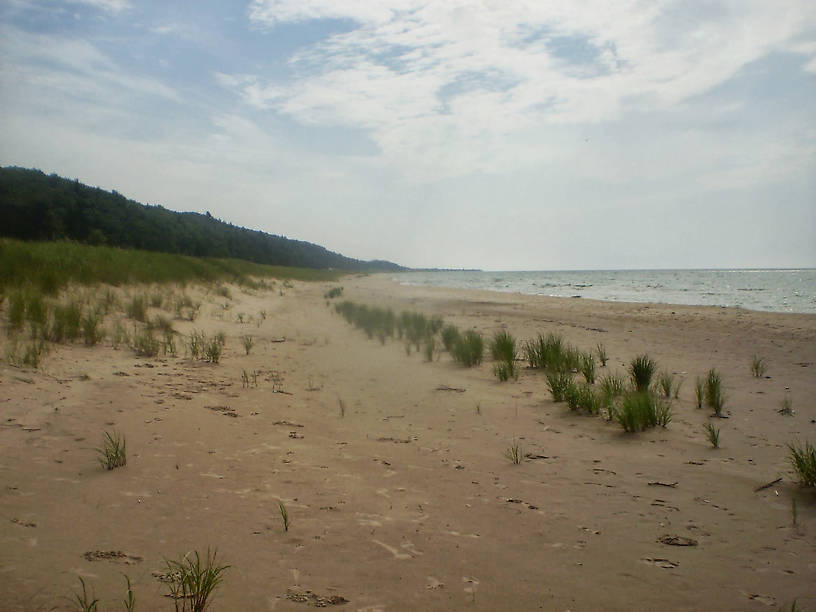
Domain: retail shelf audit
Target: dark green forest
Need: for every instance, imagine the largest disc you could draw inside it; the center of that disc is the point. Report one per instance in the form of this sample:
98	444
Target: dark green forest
36	206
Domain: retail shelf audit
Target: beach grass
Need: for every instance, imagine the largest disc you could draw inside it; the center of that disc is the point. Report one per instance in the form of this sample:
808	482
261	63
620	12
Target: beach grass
641	370
803	460
112	453
758	366
641	410
714	394
193	580
712	435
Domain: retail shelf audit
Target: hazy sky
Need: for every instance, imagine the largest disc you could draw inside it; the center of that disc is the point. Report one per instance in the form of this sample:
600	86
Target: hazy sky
548	134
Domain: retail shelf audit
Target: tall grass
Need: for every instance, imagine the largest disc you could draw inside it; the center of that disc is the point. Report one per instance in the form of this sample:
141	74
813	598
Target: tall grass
803	460
503	351
714	394
641	370
551	352
758	367
559	384
193	581
642	410
50	266
587	367
112	453
450	334
469	349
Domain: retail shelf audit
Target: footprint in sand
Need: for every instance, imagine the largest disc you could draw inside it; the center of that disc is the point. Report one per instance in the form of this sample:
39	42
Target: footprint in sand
408	546
434	583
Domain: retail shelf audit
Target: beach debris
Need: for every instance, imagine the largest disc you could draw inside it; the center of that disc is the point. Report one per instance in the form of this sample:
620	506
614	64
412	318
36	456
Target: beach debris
447	388
394	440
117	556
767	485
662	563
225	410
535	456
312	599
287	424
22	523
657	483
295	435
674	540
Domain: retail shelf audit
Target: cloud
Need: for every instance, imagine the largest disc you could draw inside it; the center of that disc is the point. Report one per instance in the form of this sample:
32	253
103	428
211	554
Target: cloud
109	6
425	76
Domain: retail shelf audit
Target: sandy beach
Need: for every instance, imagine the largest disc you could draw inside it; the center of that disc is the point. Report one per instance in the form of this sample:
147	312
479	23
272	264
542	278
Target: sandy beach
392	469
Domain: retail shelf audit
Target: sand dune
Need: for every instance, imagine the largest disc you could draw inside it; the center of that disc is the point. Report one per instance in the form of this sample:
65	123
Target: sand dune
404	500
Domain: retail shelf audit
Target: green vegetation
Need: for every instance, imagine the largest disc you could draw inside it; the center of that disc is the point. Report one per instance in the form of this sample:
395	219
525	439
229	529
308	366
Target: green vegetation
641	410
192	582
758	367
641	370
699	392
469	349
284	515
34	206
587	367
612	386
450	335
803	460
503	350
714	395
86	602
582	397
145	344
247	341
112	453
665	383
551	352
713	434
51	266
559	384
602	356
333	293
514	453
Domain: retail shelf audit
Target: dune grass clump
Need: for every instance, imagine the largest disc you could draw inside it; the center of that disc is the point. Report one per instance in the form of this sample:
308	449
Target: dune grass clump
712	435
193	581
92	330
612	386
86	602
600	349
587	367
514	453
714	395
428	348
642	410
551	352
582	397
503	351
112	453
450	334
66	322
469	349
665	383
803	460
758	367
214	348
559	383
247	342
28	356
641	370
137	308
333	293
284	513
145	344
505	370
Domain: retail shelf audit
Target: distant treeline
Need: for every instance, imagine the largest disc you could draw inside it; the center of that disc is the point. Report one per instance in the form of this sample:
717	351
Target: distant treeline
36	206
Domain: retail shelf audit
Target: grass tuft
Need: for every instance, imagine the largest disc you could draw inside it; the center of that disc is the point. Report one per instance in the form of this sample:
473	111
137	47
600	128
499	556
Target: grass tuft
86	602
642	410
758	367
602	355
714	395
803	460
469	349
587	364
284	515
112	453
712	434
641	370
193	581
514	453
247	342
559	383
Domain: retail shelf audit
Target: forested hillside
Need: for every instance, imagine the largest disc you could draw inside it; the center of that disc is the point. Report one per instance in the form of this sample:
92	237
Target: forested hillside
36	206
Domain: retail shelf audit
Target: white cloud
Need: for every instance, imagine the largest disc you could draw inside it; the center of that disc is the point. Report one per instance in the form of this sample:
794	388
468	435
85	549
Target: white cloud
424	75
110	6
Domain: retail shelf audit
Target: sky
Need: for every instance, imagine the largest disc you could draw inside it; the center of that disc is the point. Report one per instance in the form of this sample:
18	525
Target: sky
493	134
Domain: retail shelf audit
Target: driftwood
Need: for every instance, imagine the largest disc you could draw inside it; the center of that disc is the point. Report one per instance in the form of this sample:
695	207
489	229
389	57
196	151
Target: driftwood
447	388
657	483
767	485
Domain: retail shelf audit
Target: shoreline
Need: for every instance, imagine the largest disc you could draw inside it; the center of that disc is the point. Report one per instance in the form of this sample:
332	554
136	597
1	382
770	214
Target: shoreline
393	469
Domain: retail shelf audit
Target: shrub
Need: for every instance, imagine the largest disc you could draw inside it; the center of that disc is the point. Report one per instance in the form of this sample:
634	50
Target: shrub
714	395
112	453
192	582
503	347
803	460
469	349
641	370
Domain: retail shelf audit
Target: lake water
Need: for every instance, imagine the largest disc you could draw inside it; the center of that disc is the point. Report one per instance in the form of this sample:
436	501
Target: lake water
760	289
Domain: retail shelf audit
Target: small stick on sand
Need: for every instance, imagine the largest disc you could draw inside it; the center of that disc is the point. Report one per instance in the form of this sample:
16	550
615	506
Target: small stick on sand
657	483
768	485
